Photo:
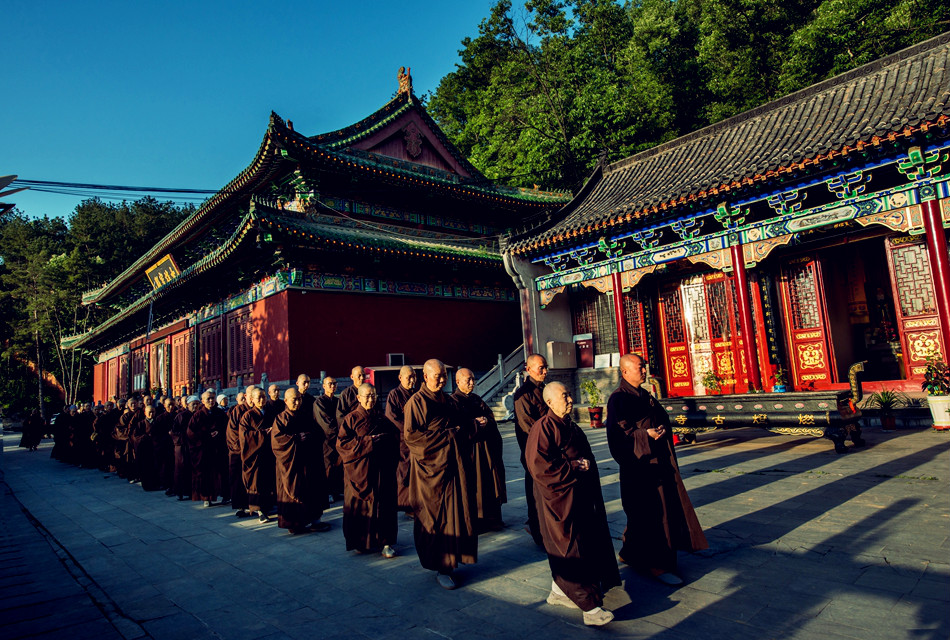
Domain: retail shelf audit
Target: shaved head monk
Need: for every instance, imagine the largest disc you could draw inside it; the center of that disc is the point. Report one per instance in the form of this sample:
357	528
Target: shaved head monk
529	407
488	468
572	516
395	404
348	400
439	440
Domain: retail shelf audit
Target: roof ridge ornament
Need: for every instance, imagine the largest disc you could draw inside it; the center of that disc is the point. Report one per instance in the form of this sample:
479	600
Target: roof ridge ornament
405	80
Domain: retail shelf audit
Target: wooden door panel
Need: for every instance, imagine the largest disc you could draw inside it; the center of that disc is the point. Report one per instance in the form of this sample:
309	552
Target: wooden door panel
810	355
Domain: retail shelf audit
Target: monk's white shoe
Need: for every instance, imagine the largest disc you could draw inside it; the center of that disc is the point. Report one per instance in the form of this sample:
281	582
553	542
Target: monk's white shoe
597	617
670	578
446	581
561	601
388	552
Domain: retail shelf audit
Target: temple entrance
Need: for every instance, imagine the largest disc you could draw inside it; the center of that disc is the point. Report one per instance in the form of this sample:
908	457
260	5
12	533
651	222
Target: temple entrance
915	314
811	359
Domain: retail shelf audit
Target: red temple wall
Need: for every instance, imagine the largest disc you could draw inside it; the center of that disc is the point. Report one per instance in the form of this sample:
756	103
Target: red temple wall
270	335
332	332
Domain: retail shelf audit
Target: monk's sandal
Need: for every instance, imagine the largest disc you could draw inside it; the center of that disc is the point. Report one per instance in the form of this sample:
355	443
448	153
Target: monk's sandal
597	617
562	601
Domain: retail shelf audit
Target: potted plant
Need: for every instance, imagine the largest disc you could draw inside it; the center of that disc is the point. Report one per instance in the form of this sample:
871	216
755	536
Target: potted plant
936	383
594	399
781	383
712	381
886	402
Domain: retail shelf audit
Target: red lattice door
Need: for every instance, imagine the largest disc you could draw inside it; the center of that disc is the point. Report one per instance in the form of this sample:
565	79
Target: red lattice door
725	336
675	343
811	359
636	325
916	306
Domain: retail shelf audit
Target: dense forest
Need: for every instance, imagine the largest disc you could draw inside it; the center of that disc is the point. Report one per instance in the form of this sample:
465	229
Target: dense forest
548	87
46	264
543	92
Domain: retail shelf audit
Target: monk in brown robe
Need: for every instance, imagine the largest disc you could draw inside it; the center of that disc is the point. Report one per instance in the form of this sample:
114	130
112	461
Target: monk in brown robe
488	475
571	511
181	482
369	448
143	445
395	403
660	516
123	446
235	474
203	433
105	427
257	459
297	444
348	400
274	404
306	399
164	451
325	409
529	408
439	468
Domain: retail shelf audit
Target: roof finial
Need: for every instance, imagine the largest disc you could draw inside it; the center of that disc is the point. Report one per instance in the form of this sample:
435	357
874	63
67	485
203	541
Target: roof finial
405	80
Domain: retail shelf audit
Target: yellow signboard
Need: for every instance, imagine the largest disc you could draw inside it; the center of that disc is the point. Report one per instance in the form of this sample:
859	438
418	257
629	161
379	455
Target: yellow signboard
162	272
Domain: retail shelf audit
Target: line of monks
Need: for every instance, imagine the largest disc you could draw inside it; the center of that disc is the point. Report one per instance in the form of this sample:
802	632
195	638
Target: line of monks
436	456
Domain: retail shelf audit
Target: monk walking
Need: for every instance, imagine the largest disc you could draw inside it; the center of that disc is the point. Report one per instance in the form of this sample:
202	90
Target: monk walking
439	468
257	459
395	404
369	448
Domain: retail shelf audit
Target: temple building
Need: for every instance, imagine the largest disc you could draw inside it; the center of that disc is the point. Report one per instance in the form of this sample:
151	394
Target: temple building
796	238
373	245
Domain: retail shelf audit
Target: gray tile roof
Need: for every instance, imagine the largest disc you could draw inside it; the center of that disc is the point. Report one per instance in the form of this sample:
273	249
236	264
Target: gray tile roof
891	98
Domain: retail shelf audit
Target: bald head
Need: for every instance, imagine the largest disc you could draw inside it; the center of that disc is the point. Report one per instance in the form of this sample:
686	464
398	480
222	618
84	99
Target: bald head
357	375
558	399
633	369
273	392
366	395
536	367
407	377
465	381
292	399
303	383
433	372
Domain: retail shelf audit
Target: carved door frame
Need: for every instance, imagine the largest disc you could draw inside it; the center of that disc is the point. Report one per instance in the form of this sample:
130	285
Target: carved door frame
908	264
811	358
674	340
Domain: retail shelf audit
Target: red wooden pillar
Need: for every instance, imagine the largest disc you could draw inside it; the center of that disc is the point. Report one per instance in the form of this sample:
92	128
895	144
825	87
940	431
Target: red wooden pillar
619	315
939	266
745	318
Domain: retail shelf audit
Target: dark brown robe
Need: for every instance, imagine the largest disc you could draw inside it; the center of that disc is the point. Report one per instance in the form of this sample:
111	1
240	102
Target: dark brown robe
571	511
488	477
257	460
348	401
325	414
84	453
33	429
529	408
395	404
145	460
202	452
104	427
660	516
235	475
164	451
297	445
444	529
368	445
123	445
181	481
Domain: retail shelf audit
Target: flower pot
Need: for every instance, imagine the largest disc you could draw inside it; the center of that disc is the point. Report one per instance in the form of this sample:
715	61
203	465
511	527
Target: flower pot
596	416
779	388
940	410
888	422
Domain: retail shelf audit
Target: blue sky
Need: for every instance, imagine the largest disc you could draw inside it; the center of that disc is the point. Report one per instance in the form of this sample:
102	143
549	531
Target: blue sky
178	94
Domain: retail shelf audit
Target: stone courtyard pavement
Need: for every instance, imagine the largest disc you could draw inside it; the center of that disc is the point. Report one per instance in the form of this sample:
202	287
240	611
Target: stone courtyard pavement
804	544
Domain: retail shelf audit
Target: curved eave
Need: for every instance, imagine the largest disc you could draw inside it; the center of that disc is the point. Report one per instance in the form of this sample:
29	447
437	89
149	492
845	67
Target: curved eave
340	161
348	239
633	212
209	261
259	168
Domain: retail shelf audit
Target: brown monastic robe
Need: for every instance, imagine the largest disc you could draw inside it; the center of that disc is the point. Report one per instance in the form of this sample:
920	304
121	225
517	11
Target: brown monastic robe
444	529
325	414
145	460
368	445
201	451
297	445
348	401
105	446
257	460
395	405
660	516
235	475
181	480
571	511
488	479
529	408
123	446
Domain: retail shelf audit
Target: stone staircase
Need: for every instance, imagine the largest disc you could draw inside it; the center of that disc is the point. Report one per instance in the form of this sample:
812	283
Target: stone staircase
497	403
